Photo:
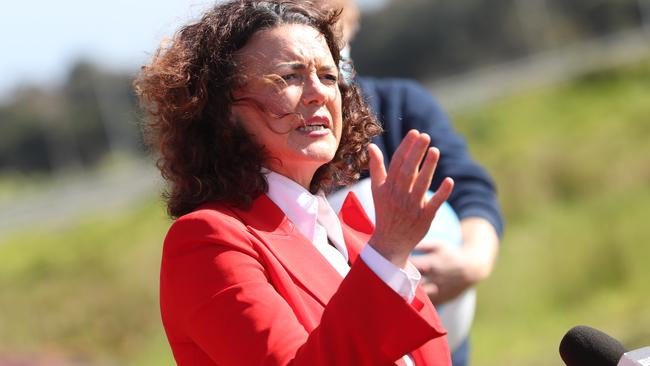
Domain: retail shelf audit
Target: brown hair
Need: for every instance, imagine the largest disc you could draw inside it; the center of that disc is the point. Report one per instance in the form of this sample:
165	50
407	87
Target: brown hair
186	92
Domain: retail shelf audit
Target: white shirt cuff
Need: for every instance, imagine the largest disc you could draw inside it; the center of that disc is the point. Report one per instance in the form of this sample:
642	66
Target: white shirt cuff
402	281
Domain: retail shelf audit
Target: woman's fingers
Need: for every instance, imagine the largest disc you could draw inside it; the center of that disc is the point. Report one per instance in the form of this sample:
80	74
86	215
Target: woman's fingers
401	154
423	181
408	172
403	214
441	195
404	174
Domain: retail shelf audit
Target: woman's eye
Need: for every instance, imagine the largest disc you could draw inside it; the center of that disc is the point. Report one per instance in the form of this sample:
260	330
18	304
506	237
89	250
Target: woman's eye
330	77
290	77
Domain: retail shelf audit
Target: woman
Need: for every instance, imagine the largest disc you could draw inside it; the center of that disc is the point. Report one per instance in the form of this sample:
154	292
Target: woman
252	126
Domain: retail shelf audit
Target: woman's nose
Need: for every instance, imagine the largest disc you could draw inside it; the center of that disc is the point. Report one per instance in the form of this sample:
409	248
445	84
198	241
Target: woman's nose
314	91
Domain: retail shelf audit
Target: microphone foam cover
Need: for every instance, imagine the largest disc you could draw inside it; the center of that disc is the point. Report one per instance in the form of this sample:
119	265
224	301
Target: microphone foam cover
586	346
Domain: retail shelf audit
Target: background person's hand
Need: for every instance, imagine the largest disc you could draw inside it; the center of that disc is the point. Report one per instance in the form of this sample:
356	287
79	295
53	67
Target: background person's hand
444	270
402	210
448	270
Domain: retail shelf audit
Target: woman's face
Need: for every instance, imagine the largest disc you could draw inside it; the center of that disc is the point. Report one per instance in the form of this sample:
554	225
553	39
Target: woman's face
290	101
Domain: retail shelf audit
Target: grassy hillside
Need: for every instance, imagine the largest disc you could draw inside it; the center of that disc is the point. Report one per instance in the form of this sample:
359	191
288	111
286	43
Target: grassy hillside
572	165
86	291
573	168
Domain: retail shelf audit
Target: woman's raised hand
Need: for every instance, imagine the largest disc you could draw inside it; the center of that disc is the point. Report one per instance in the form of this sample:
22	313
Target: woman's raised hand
403	212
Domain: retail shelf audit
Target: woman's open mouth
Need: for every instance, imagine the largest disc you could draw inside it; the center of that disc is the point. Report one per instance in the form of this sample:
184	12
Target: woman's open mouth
315	123
311	128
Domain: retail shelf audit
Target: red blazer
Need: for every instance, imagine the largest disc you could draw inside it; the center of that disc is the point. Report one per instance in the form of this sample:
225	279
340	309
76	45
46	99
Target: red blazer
243	287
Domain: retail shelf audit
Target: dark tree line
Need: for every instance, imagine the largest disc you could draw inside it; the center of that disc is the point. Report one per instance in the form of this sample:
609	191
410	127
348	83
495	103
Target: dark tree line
431	38
74	125
94	111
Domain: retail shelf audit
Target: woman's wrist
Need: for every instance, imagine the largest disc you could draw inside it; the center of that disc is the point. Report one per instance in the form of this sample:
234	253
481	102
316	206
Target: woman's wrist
390	250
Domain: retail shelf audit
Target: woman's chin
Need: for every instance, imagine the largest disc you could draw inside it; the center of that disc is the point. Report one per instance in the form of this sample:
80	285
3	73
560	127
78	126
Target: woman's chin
320	156
322	151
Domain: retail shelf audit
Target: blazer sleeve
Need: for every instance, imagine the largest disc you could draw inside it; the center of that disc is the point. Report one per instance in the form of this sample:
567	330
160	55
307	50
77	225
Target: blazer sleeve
216	290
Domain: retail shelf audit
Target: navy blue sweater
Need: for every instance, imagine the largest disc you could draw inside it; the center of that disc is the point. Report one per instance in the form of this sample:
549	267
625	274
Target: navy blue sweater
402	105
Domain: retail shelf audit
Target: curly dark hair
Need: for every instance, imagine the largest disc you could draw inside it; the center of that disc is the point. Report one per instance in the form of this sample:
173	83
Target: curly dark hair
186	92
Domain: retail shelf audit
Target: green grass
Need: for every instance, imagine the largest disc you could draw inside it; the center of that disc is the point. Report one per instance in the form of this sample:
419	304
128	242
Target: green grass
87	290
572	164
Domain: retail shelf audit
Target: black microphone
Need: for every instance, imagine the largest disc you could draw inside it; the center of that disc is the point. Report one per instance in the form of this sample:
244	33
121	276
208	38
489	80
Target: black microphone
586	346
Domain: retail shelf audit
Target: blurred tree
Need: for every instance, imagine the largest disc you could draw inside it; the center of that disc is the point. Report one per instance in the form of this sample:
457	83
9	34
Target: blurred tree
427	39
34	137
23	142
83	112
69	127
600	17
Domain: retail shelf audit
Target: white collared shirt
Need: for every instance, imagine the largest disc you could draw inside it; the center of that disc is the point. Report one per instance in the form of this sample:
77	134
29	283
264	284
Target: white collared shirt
316	220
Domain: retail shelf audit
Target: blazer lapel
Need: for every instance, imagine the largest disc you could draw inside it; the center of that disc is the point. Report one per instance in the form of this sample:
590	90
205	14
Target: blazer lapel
357	226
297	254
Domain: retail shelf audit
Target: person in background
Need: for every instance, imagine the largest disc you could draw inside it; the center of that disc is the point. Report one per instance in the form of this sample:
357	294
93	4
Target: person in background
253	126
400	105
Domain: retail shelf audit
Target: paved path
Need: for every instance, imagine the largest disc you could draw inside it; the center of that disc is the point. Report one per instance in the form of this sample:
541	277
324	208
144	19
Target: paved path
70	197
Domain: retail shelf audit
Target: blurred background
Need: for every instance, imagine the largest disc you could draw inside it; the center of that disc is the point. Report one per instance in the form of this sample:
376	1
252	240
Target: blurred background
553	97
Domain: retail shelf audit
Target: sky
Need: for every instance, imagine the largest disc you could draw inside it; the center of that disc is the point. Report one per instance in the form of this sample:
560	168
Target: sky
41	39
